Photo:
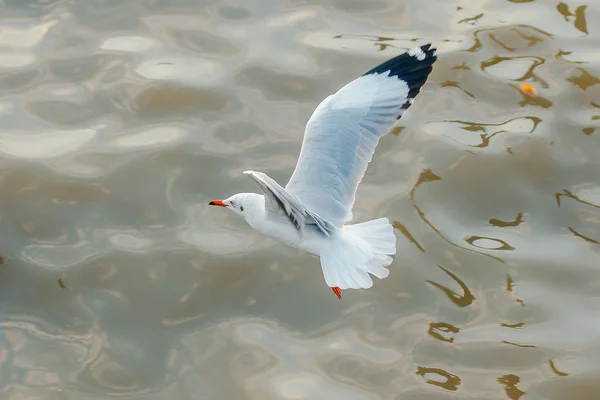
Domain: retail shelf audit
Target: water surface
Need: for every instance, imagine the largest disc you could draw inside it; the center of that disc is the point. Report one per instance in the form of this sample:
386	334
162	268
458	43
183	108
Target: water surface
120	120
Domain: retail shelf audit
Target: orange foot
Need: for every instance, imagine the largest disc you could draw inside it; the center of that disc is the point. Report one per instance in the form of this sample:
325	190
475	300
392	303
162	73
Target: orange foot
337	291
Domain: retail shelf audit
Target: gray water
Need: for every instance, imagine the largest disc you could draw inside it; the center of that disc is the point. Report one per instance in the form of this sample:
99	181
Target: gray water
120	120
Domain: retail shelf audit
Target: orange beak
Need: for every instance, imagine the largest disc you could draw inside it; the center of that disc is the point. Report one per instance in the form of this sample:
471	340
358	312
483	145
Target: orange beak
217	203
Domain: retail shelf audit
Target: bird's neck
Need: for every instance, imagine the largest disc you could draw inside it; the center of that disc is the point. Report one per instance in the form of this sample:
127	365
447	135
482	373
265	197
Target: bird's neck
257	212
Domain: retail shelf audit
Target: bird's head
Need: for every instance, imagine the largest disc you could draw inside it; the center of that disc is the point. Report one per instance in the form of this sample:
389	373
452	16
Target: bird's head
244	204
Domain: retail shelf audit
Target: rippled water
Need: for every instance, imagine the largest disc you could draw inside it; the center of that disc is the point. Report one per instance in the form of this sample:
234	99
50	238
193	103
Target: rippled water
120	120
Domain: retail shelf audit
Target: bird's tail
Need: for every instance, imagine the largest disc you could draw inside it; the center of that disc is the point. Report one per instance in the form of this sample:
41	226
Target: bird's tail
357	251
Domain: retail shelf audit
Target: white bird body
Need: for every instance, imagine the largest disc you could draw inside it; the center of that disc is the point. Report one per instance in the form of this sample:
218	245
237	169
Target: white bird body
311	211
312	240
277	226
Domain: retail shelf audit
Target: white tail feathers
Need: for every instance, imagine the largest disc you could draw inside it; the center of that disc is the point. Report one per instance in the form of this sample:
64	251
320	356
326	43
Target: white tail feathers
357	251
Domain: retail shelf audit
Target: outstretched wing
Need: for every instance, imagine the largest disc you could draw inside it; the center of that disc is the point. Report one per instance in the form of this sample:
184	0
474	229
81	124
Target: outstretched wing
342	133
277	199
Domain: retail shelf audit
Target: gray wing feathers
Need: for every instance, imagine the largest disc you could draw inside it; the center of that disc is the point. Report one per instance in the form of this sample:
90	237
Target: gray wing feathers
277	199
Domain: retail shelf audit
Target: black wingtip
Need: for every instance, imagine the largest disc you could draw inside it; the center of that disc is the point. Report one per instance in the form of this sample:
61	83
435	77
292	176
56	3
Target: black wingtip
413	67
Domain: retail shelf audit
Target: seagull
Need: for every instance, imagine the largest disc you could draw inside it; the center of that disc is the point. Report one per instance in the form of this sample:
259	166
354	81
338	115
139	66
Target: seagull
311	212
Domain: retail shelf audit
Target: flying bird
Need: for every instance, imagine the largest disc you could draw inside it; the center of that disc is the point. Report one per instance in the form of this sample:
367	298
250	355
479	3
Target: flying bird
311	212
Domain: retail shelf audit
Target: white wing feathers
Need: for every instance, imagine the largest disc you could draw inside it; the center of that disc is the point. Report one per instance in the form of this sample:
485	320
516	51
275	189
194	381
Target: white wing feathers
342	133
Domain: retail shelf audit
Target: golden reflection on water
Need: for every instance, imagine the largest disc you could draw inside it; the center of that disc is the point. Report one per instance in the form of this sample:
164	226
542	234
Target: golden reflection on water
585	80
463	67
463	300
528	75
555	370
502	245
436	327
578	17
510	284
451	383
517	36
510	382
504	224
397	130
61	284
530	346
471	20
497	128
582	236
569	194
560	56
456	84
513	326
588	131
407	234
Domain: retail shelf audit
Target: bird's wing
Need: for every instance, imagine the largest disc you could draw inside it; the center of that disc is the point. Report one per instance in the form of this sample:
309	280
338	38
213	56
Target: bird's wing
277	199
341	135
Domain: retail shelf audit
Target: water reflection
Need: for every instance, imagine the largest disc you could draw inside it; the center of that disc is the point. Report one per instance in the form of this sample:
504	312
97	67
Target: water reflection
456	85
589	131
485	131
407	234
530	99
585	80
510	284
512	68
488	243
510	382
463	67
463	300
581	236
519	36
436	327
471	20
569	194
560	55
397	130
504	224
513	326
530	346
578	17
555	370
451	383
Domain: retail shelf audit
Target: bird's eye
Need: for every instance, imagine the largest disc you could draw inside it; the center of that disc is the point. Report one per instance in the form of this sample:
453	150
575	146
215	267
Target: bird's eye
242	208
232	203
